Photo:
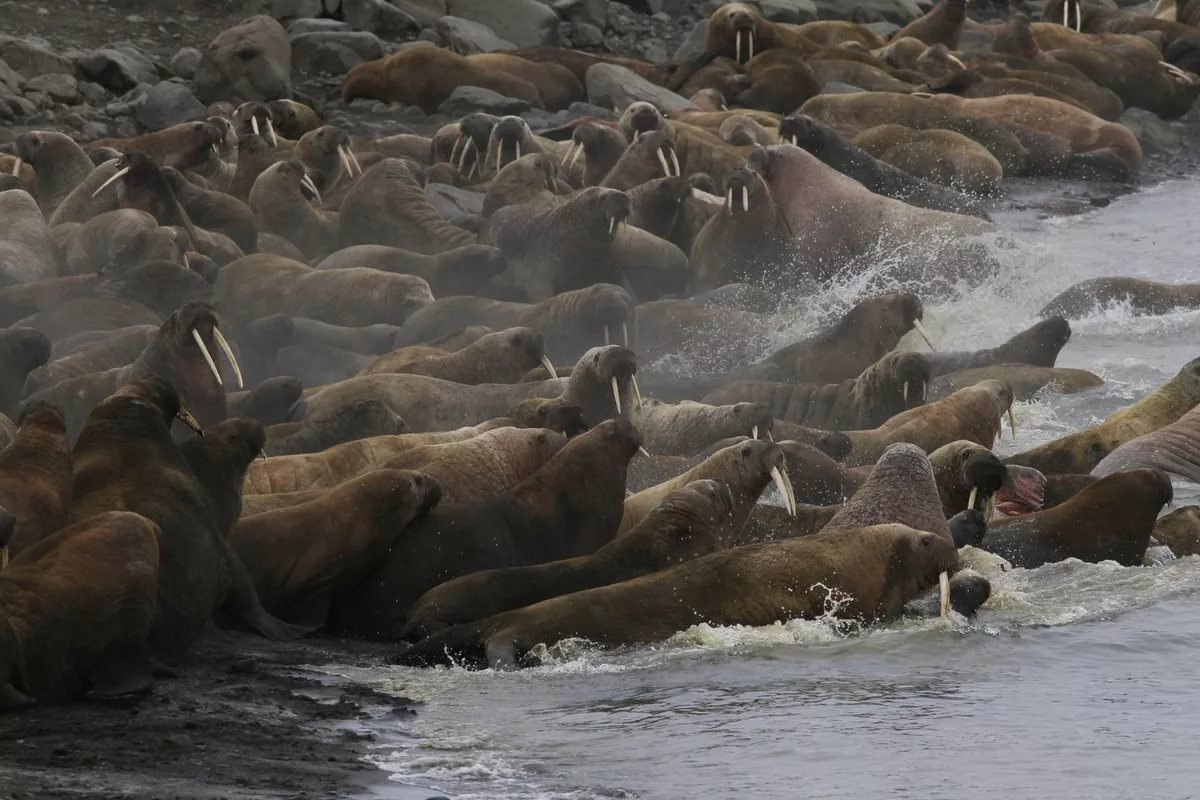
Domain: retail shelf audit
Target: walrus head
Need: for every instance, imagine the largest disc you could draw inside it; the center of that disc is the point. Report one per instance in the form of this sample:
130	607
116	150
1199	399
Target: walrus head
291	177
43	415
805	132
508	136
703	182
655	150
254	117
746	192
476	129
968	476
552	414
1068	12
731	30
603	383
1037	346
193	336
582	318
36	147
293	119
327	150
604	209
688	521
640	118
153	398
912	374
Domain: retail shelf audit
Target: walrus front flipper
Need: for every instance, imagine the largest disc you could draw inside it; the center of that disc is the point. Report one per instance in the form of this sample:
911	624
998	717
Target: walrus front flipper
13	700
968	591
243	606
123	670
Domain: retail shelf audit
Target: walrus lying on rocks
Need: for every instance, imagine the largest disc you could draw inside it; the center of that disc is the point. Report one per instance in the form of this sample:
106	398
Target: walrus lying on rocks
501	357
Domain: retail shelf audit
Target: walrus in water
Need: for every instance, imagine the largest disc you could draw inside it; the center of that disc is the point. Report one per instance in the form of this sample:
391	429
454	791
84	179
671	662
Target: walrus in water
871	572
892	385
687	427
1081	452
570	507
1175	449
125	460
1037	346
300	557
500	357
1141	296
971	477
1025	380
1180	531
35	476
1111	520
686	524
76	610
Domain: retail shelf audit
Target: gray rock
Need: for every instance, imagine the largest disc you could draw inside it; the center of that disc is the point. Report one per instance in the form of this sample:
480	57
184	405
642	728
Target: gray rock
127	104
58	87
793	12
93	93
118	68
884	29
611	85
302	26
425	12
379	17
334	52
692	44
901	12
527	23
466	99
287	10
185	62
21	107
466	37
456	205
655	51
590	12
587	35
30	60
250	61
39	99
92	131
10	79
168	103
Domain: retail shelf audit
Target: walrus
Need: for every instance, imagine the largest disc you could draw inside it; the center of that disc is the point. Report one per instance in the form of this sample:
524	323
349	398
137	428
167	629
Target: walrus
461	270
744	131
554	415
777	81
301	557
671	209
1111	520
687	427
219	460
293	119
60	163
23	351
745	241
1180	531
1172	449
1140	295
993	81
873	571
684	525
601	146
877	175
1025	380
35	476
652	155
892	385
270	402
389	79
26	249
215	210
530	179
358	420
942	157
117	240
500	357
182	146
557	86
280	200
569	507
328	159
142	185
75	612
1081	452
942	24
128	434
970	477
1037	346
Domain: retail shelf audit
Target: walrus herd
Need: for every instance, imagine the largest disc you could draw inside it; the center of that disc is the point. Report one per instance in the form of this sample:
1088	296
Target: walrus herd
262	373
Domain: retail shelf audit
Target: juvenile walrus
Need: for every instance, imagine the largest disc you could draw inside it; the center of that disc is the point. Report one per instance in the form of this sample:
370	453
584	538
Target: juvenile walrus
872	572
76	610
1142	296
685	524
570	507
35	476
1111	520
554	415
300	557
501	357
1080	452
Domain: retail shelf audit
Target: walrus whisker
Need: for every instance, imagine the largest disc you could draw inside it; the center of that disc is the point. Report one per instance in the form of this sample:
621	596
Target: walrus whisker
745	200
549	367
616	394
184	416
637	393
944	594
225	348
662	160
675	164
16	168
121	173
924	334
208	359
777	477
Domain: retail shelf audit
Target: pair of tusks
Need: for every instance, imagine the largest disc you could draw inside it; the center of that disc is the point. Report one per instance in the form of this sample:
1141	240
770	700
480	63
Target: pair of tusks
549	367
1078	27
121	173
1171	69
624	335
784	485
307	183
662	160
349	161
738	37
568	159
924	334
271	137
16	170
989	505
924	387
500	152
616	390
225	348
745	200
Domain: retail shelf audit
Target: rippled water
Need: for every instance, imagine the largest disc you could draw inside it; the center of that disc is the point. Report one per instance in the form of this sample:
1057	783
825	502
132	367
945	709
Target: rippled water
1075	681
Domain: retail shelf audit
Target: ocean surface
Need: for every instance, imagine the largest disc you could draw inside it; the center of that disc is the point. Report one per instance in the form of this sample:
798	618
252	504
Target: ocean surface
1075	680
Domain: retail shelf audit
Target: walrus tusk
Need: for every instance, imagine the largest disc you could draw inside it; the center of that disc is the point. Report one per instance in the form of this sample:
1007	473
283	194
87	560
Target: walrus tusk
791	492
606	339
16	170
675	163
216	152
644	451
637	393
754	432
953	59
351	159
1012	422
971	499
462	156
307	183
612	224
254	125
616	394
186	262
924	390
777	477
924	334
345	162
121	173
262	454
944	594
662	160
578	151
738	38
795	141
1170	68
549	367
458	142
517	146
906	392
271	134
729	199
567	156
750	36
207	356
187	419
225	348
624	335
745	200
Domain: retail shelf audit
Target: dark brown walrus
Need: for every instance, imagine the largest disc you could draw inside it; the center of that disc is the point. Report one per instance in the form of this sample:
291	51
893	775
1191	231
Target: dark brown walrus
1038	346
300	557
870	572
570	507
686	524
76	610
1111	520
125	460
35	476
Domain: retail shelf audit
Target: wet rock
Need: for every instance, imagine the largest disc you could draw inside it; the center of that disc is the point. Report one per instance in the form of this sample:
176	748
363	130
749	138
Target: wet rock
589	12
185	62
466	37
527	23
166	104
118	68
792	12
58	87
302	26
287	10
379	17
466	99
93	93
613	85
250	61
692	44
30	59
93	131
1156	136
10	79
655	51
334	52
587	35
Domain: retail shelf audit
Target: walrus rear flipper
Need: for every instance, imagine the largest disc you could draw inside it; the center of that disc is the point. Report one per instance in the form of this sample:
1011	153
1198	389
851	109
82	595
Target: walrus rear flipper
1098	165
461	645
124	669
242	608
968	591
11	699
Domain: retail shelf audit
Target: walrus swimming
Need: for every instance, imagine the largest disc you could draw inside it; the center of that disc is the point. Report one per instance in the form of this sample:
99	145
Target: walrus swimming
1038	345
1142	297
1025	380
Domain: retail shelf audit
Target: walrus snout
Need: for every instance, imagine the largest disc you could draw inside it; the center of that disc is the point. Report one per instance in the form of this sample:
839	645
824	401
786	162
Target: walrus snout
799	129
756	417
202	325
616	206
985	474
642	117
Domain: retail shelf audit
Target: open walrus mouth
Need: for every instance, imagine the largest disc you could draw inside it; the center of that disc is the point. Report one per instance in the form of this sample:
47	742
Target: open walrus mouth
1022	492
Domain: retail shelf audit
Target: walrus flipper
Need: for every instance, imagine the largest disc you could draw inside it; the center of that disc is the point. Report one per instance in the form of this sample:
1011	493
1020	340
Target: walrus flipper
123	670
243	606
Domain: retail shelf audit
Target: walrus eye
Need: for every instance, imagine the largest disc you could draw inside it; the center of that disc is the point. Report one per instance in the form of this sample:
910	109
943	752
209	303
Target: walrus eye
247	53
746	452
927	540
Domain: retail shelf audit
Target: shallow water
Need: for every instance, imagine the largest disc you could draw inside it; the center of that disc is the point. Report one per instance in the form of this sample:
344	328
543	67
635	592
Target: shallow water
1075	681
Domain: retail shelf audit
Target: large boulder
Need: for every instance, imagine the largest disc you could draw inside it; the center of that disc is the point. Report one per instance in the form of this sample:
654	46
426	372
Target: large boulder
334	52
465	99
901	12
588	12
166	104
29	59
377	16
792	12
185	62
250	61
425	12
58	87
118	68
526	23
466	37
10	79
612	85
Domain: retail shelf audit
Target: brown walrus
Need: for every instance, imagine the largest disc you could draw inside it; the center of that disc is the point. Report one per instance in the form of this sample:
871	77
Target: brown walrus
281	200
182	146
35	476
942	24
462	270
746	240
943	157
390	79
684	525
686	427
300	557
1142	296
60	163
1180	531
76	610
872	571
501	357
1080	452
1038	345
1025	380
1172	448
569	507
1111	520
